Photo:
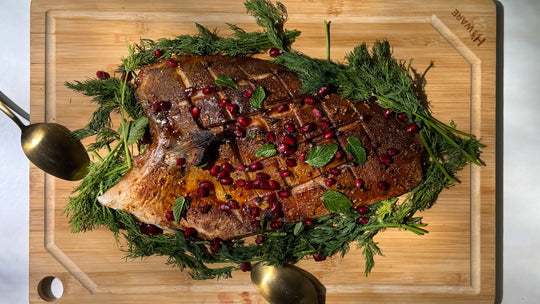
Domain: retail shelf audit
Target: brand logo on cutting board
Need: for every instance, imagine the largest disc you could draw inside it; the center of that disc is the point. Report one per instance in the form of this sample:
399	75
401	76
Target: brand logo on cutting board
471	26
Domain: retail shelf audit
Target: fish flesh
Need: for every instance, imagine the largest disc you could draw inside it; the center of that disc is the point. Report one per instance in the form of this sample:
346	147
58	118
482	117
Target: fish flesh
206	135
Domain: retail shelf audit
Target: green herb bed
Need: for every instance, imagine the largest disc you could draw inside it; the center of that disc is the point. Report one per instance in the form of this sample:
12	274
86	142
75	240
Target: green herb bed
370	74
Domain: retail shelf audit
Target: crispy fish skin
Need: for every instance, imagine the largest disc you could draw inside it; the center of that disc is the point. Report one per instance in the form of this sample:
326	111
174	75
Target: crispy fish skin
238	188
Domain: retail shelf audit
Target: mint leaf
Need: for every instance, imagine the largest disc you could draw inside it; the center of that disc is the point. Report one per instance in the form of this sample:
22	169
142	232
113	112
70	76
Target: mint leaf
266	151
354	147
335	201
181	205
319	156
257	99
226	81
134	129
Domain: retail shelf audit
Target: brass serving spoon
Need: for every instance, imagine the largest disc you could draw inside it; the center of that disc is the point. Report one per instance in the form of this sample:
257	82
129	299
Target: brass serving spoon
285	284
50	147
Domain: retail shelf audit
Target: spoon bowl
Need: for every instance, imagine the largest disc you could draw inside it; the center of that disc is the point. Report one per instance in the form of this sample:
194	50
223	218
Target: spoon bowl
51	147
283	284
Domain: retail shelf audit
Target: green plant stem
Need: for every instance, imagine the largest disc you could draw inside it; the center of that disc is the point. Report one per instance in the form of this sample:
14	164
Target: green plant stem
327	36
434	158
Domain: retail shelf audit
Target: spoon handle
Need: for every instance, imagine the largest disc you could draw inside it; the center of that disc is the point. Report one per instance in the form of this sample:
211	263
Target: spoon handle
4	102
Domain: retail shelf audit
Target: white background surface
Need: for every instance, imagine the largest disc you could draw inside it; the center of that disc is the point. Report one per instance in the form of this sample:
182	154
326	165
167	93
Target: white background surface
521	267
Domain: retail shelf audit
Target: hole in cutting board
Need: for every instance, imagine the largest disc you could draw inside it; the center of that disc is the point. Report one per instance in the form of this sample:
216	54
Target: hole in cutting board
50	288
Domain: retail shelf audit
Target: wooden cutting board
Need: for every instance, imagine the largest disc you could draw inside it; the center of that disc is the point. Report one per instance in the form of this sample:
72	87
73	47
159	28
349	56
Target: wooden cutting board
455	262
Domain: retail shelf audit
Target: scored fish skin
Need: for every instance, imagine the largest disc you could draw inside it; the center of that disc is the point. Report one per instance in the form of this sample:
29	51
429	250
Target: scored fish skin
228	210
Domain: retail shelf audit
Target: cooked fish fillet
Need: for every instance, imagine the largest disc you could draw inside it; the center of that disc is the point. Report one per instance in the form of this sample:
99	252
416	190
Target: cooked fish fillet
205	139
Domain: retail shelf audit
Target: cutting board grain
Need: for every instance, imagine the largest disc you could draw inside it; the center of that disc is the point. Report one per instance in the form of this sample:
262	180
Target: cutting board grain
455	262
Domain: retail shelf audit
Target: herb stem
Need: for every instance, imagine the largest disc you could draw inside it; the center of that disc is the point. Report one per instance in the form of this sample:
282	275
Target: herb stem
124	125
434	158
327	36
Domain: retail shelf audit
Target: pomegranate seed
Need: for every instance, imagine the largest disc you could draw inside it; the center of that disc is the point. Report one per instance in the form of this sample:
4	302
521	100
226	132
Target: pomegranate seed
274	185
180	162
290	162
307	128
270	197
208	90
245	266
285	173
289	140
329	134
203	192
284	193
308	222
310	100
329	182
233	204
302	156
334	171
359	183
412	128
362	210
323	91
392	152
145	139
282	108
256	166
289	126
190	91
169	216
226	180
403	117
223	174
227	167
276	225
126	77
239	132
282	147
233	109
214	171
318	257
163	105
289	151
240	183
384	159
158	53
190	232
224	207
271	136
248	93
317	113
339	154
172	63
249	185
102	75
363	220
195	112
277	214
254	211
241	168
206	185
149	229
323	124
214	245
274	52
382	185
205	208
244	121
260	239
155	107
262	176
388	112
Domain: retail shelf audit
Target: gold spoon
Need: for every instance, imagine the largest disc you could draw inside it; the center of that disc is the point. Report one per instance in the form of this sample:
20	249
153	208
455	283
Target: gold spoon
284	284
50	147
